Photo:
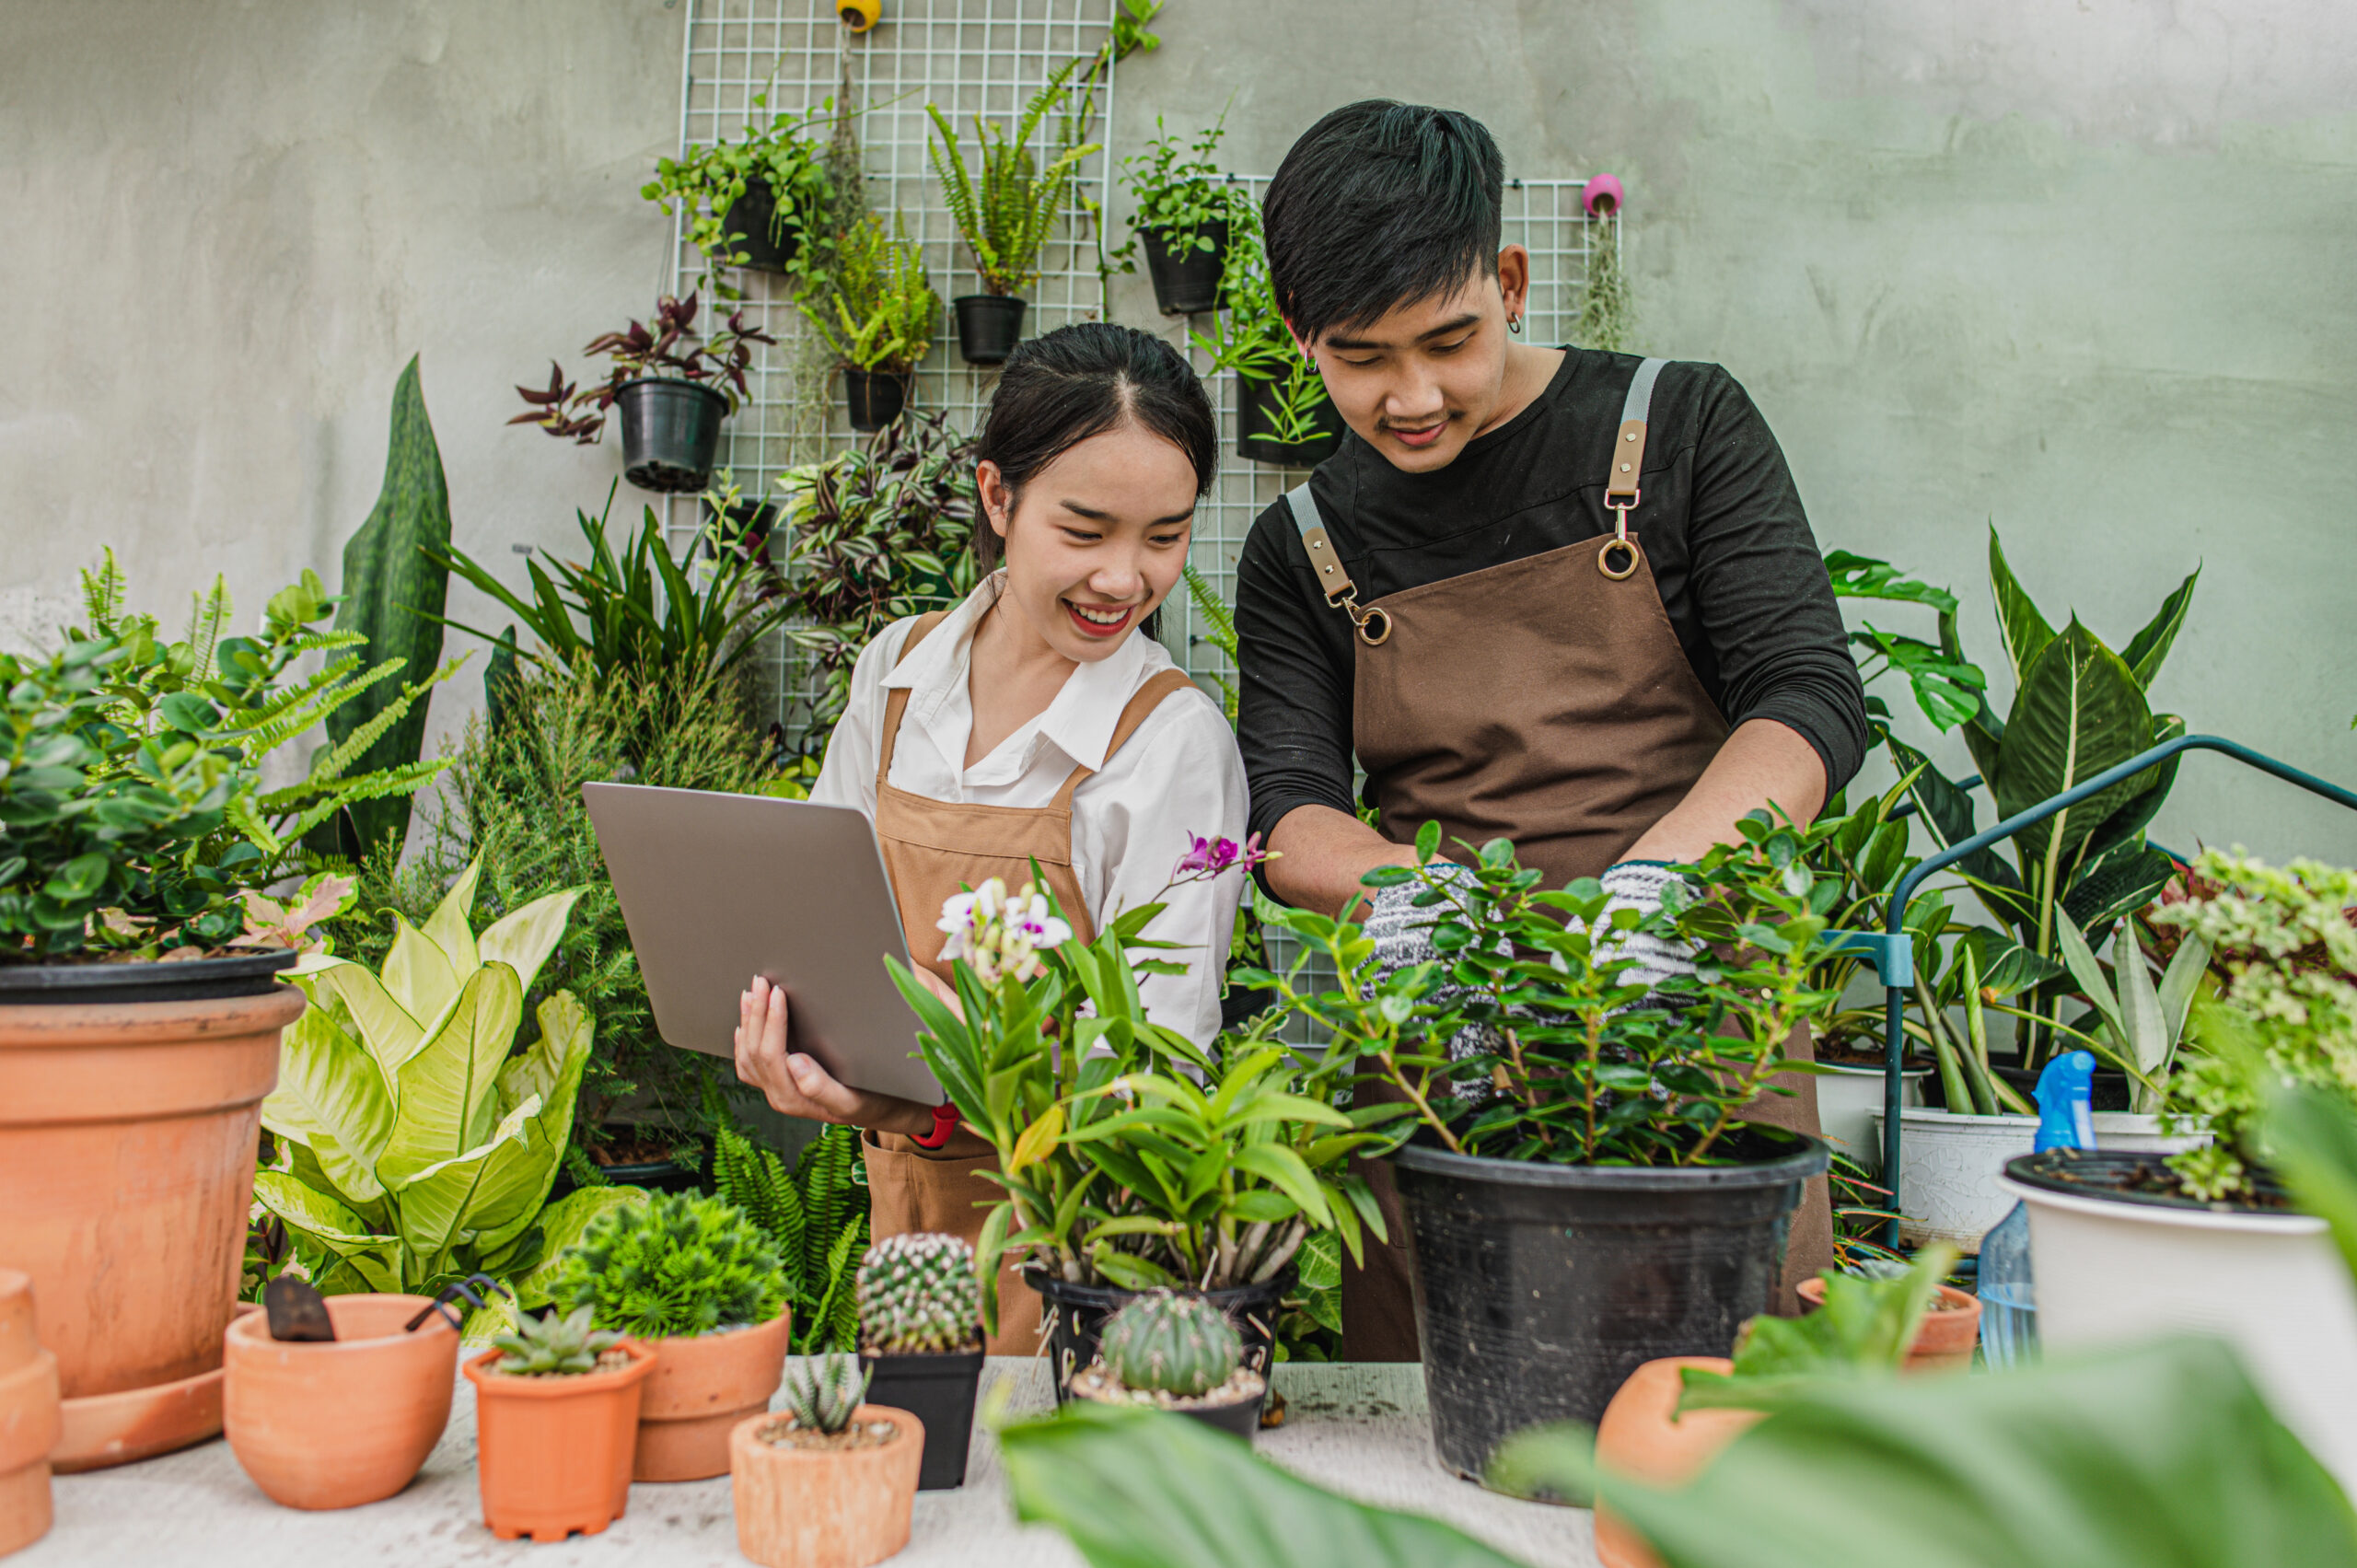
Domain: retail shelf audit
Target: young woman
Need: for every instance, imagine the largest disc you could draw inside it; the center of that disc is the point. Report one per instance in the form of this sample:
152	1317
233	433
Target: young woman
1033	721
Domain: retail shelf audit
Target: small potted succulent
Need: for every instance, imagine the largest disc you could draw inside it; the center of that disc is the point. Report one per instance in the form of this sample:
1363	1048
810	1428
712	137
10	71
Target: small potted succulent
556	1423
876	312
1282	413
830	1481
672	389
1176	1351
701	1285
750	203
1186	209
921	1342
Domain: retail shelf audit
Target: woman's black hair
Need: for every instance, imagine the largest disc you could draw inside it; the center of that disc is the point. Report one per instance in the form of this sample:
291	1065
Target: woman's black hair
1062	387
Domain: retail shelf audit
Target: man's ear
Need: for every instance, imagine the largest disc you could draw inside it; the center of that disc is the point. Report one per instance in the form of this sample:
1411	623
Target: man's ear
1308	351
1514	279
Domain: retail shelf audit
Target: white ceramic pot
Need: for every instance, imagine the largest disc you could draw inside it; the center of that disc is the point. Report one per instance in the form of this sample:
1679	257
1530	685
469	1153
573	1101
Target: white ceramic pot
1952	1168
2273	1286
1847	1099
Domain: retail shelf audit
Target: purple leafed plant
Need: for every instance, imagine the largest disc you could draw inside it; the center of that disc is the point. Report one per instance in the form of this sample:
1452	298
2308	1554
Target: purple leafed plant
666	351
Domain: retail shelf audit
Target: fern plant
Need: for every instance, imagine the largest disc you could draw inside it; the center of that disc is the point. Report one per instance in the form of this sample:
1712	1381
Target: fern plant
816	1213
1219	631
1007	209
879	312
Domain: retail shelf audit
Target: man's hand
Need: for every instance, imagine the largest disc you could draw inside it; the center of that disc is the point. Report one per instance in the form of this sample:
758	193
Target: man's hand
795	1084
1402	934
1637	885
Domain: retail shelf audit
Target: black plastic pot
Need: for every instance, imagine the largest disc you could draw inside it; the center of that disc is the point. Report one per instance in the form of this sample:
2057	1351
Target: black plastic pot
876	398
989	326
671	431
1185	282
192	980
747	229
1540	1287
2107	1092
939	1391
1078	1314
1240	1005
1256	405
1241	1418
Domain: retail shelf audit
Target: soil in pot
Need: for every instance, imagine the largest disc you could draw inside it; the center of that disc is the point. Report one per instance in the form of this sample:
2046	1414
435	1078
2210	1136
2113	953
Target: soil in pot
1234	1407
554	1454
1642	1438
876	398
670	432
629	1158
339	1422
1186	283
1540	1288
128	1130
1951	1185
808	1500
1944	1341
749	228
1256	428
29	1424
1078	1313
989	326
939	1391
699	1389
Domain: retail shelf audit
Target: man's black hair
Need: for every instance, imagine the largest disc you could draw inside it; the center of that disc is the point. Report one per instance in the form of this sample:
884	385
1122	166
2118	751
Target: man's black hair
1380	204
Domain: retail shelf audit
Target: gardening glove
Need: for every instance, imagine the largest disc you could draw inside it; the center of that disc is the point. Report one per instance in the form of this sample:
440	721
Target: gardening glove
1637	885
1402	934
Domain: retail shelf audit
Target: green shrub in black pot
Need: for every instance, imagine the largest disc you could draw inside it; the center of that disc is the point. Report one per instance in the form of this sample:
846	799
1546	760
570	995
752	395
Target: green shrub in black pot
1282	415
1185	209
1175	1350
1584	1191
753	202
877	313
921	1339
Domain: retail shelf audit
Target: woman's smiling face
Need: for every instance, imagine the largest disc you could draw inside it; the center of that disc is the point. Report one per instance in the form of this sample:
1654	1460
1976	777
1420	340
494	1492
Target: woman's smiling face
1095	540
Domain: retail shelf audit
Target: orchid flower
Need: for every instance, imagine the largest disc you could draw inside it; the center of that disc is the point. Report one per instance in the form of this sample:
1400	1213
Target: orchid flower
1001	935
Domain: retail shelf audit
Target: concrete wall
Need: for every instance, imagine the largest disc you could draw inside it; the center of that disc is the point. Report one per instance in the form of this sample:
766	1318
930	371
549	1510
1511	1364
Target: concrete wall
2082	271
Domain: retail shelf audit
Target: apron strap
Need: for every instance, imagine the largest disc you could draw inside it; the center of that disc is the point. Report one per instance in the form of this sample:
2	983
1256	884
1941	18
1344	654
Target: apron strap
1374	624
1620	492
1147	698
897	704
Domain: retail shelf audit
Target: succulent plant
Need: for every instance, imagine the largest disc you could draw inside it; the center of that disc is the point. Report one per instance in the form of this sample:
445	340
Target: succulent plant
825	1392
1170	1343
555	1345
676	1265
918	1295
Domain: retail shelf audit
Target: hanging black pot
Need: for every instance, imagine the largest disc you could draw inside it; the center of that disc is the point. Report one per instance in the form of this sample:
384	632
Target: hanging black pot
1077	1315
1540	1287
670	432
989	326
749	225
1256	428
1185	282
876	398
939	1391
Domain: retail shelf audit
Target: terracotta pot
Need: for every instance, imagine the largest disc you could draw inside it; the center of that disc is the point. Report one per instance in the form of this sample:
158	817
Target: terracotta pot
338	1424
1944	1341
1642	1438
553	1453
28	1417
805	1509
127	1139
701	1387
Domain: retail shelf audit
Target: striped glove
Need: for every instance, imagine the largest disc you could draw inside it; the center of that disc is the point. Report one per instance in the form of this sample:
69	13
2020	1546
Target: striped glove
1637	885
1402	934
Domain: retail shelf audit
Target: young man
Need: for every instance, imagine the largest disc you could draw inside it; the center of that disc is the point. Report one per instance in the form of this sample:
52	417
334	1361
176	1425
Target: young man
1562	596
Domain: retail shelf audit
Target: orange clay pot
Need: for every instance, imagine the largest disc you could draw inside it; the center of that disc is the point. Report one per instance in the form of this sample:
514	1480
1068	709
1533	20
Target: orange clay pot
28	1417
339	1424
554	1454
1944	1341
127	1140
803	1509
1639	1439
701	1387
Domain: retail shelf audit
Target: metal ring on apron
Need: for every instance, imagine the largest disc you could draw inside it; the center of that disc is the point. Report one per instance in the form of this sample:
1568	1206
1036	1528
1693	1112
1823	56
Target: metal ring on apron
1372	635
1620	541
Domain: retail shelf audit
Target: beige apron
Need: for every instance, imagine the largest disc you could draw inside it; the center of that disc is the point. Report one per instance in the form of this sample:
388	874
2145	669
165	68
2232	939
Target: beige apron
1547	701
934	849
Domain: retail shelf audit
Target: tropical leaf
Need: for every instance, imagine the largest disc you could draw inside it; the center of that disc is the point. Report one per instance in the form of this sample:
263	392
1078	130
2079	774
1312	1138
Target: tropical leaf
2125	877
416	973
332	1228
447	1091
447	926
2078	713
524	939
437	1203
1864	577
2150	646
2025	630
386	1029
517	1179
331	1095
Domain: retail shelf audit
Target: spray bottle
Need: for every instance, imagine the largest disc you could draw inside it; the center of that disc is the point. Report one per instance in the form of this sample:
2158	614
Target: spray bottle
2008	1294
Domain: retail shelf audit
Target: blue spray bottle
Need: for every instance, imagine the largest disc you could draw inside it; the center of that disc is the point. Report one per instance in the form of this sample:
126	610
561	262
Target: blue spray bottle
2008	1294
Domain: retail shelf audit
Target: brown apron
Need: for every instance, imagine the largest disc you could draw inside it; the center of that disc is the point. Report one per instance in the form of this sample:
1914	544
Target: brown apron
934	849
1545	701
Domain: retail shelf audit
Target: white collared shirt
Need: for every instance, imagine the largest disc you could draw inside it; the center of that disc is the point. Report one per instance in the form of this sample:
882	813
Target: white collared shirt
1178	774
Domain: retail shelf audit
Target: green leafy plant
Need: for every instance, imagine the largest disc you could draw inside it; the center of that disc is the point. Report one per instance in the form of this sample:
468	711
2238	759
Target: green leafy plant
703	187
1219	631
1007	208
877	312
669	350
1607	314
1863	1330
1947	687
676	1265
817	1213
918	1295
823	1392
555	1345
1249	337
1169	1343
1180	192
2139	1025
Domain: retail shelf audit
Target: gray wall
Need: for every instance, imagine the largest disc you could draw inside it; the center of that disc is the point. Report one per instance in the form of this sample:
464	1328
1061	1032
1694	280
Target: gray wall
2082	271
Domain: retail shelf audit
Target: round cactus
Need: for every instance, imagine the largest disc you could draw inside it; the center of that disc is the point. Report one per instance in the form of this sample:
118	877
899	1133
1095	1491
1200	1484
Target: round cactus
1171	1344
918	1295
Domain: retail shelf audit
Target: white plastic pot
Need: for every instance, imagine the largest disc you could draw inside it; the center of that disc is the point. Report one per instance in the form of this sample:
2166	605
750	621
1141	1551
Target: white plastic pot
1951	1168
2273	1286
1847	1099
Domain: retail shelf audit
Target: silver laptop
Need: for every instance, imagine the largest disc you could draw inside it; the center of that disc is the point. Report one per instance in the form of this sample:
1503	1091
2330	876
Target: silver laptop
718	889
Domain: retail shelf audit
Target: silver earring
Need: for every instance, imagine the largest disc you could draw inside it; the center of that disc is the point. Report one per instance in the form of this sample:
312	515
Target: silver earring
1514	325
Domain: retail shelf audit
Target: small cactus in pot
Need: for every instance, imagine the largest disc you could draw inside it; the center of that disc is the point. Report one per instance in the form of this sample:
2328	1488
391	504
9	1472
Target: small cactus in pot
1177	1352
918	1295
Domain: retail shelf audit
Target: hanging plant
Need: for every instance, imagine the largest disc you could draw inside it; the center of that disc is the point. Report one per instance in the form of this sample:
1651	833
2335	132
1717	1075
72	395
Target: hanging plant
1607	316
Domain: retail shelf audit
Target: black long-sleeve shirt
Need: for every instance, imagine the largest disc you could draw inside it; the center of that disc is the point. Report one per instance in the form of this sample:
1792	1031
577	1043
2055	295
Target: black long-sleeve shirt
1739	572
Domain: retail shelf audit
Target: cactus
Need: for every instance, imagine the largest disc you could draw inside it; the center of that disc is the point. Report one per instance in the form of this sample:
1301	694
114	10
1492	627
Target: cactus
555	1345
918	1295
676	1265
824	1392
1165	1342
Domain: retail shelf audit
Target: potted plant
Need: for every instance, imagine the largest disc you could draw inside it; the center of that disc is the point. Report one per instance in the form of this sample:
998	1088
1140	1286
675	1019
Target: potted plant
30	1425
831	1481
877	313
921	1342
1166	1351
1282	415
672	389
703	1287
1186	209
334	1423
753	202
556	1423
139	1008
1007	209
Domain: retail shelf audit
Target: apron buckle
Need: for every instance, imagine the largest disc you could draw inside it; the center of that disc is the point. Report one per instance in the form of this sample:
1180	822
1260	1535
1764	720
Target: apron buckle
1374	622
1619	541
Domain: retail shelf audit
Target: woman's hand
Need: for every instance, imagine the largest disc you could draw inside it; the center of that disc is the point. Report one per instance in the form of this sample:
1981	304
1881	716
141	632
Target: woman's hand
943	988
796	1085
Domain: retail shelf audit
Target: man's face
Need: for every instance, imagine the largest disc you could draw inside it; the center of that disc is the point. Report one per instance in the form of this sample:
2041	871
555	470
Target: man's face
1422	381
